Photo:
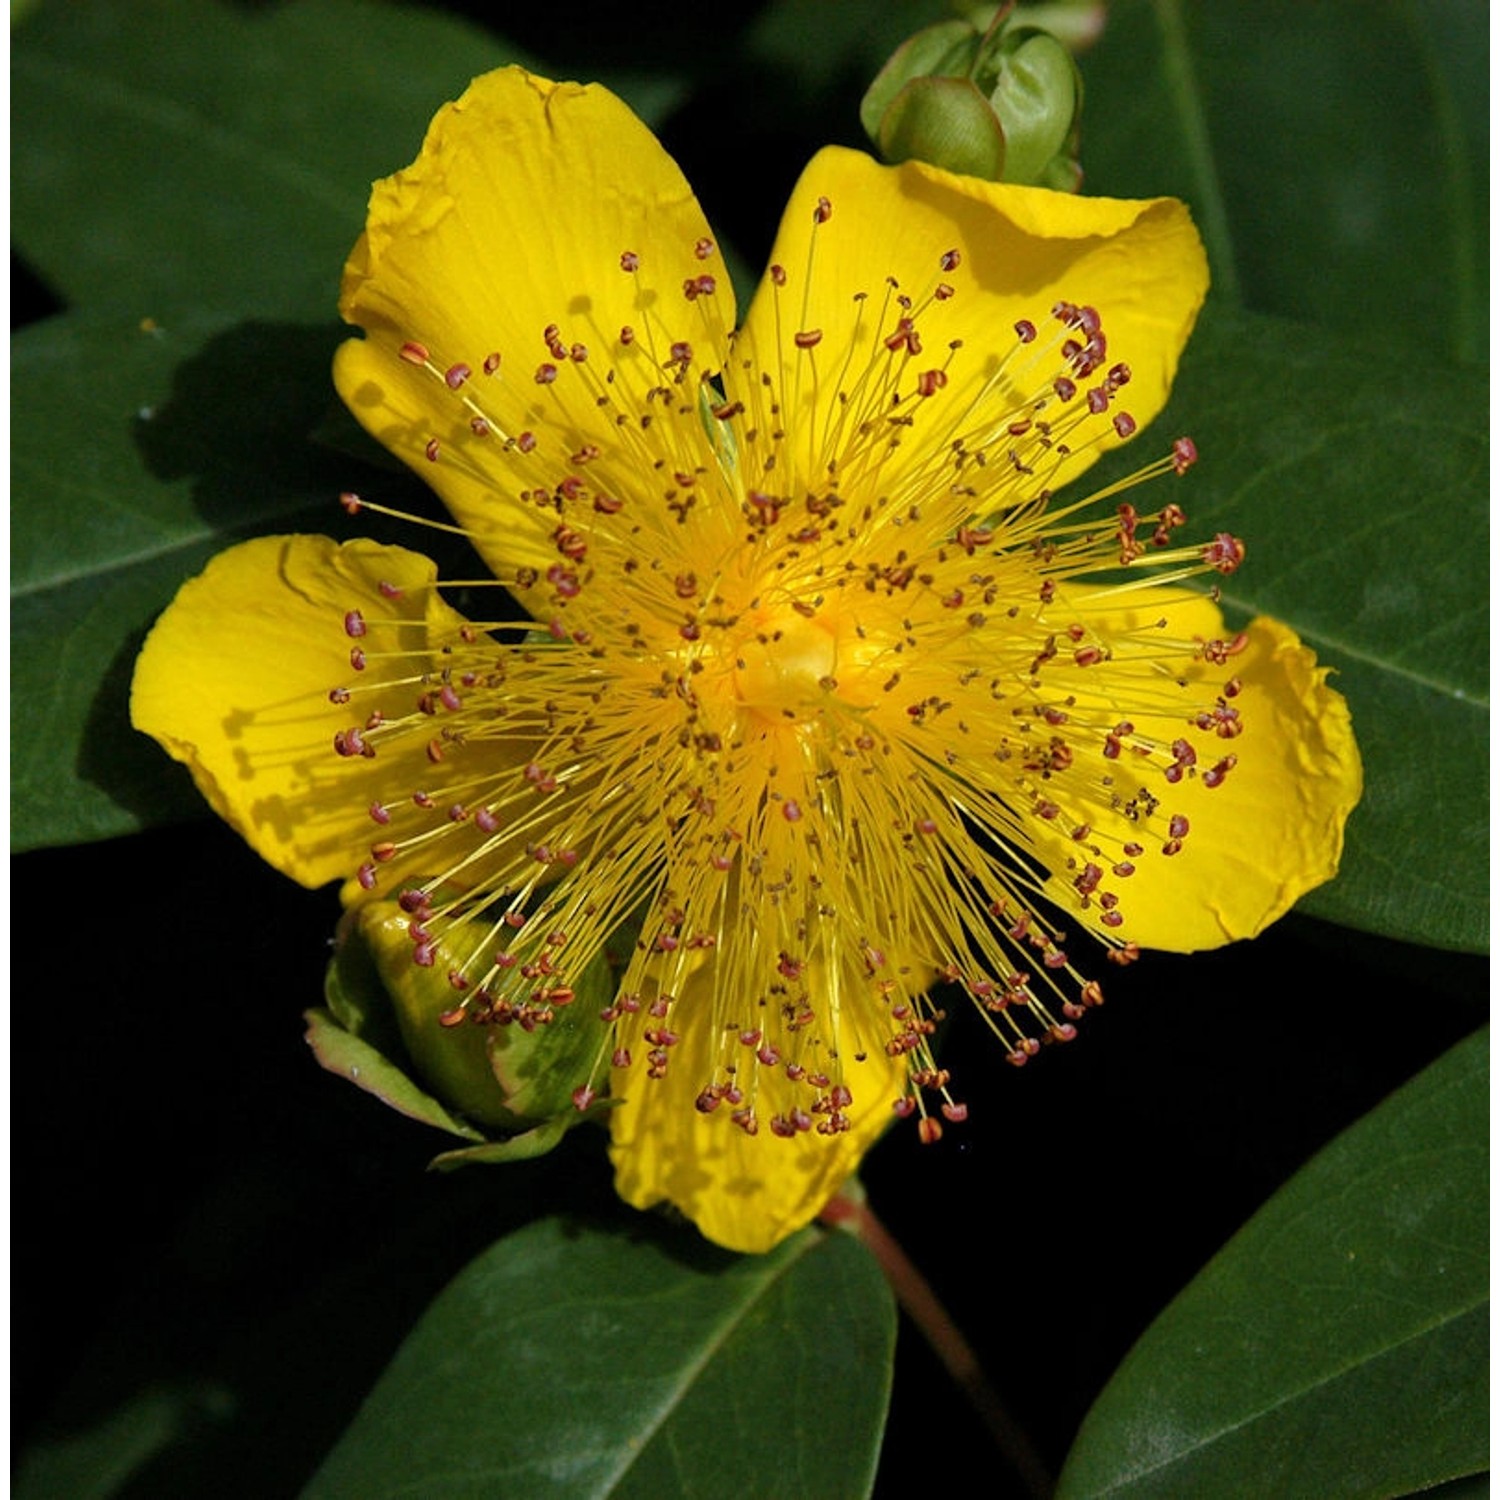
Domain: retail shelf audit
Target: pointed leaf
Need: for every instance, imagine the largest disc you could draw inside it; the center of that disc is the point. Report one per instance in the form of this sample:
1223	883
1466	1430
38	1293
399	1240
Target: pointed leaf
1338	1345
572	1362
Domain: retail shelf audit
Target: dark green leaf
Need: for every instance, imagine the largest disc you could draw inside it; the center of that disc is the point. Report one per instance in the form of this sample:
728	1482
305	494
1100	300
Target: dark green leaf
171	156
811	44
138	453
572	1362
100	1461
1334	154
1359	487
137	440
170	159
1470	1487
1338	1345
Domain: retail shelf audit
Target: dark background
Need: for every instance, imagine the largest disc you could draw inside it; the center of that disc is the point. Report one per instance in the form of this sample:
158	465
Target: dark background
202	1213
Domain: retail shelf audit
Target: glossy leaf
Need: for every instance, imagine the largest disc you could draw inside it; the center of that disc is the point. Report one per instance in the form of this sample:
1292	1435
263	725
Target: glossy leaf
138	451
575	1362
1334	154
171	156
1359	485
1338	1345
181	154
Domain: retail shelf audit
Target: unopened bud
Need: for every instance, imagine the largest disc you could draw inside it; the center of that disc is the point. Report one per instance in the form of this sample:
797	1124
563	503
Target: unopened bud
1002	104
501	1050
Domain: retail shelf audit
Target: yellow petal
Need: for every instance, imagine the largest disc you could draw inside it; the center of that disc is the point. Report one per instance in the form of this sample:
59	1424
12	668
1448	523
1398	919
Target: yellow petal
1270	832
234	680
514	218
743	1192
1139	263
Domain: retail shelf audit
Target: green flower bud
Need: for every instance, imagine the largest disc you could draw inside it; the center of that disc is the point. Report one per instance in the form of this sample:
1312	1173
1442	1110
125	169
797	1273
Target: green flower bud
946	50
1038	97
946	121
1002	104
513	1062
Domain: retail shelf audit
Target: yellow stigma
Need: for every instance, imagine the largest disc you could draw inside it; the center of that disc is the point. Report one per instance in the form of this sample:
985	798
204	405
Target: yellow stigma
785	664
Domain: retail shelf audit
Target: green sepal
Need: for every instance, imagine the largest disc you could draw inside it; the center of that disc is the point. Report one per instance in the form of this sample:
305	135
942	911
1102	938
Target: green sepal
344	1053
947	122
537	1141
1063	174
1038	97
452	1061
1002	104
946	50
507	1090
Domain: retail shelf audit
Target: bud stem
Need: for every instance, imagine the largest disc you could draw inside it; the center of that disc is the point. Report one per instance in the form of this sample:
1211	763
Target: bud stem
1182	83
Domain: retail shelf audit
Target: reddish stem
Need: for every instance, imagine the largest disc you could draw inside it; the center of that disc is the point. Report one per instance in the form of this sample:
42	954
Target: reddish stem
943	1336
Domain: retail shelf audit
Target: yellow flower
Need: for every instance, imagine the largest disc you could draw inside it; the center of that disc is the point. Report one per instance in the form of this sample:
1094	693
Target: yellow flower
799	664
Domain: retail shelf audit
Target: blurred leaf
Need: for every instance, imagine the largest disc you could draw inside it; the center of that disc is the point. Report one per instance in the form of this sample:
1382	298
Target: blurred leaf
652	96
811	43
1323	458
100	1461
571	1362
1334	154
1338	1344
137	453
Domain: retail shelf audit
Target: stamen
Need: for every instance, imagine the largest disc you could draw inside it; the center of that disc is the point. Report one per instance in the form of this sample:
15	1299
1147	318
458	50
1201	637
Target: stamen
813	671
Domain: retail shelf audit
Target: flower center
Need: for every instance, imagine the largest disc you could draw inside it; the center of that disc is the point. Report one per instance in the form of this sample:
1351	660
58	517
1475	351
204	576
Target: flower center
824	739
786	664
